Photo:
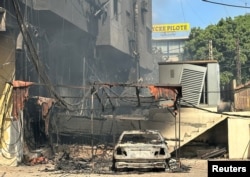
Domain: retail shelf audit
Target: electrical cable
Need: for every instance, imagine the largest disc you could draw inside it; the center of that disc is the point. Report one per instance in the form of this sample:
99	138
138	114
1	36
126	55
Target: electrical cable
182	9
224	4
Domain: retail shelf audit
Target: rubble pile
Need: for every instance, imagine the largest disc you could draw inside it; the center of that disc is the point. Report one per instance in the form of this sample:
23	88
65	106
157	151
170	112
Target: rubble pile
83	159
75	159
40	156
66	163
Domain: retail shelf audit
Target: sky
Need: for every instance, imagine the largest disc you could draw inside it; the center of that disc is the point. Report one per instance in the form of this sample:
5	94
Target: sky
196	12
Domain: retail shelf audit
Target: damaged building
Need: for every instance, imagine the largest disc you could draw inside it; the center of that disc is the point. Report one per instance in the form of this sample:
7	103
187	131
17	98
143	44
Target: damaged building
53	52
79	72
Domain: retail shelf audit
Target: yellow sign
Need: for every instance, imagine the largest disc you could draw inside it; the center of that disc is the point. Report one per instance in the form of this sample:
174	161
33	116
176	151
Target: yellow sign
171	27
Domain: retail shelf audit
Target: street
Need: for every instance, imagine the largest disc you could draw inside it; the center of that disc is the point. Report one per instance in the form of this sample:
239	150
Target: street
191	168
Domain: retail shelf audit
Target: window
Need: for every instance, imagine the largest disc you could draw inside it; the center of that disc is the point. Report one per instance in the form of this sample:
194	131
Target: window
115	9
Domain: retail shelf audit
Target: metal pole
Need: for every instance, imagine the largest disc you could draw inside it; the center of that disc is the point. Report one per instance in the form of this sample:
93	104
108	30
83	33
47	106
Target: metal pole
114	128
92	123
136	30
175	127
179	108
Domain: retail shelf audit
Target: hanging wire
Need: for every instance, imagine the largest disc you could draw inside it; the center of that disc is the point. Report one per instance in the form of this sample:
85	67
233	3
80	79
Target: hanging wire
225	4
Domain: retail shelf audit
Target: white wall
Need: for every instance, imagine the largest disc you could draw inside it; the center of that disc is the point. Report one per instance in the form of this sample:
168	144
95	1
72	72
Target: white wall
238	138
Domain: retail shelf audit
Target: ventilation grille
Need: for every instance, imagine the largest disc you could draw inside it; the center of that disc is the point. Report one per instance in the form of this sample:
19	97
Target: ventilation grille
192	83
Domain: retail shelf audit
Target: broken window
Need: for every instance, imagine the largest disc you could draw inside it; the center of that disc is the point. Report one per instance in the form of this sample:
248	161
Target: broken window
140	138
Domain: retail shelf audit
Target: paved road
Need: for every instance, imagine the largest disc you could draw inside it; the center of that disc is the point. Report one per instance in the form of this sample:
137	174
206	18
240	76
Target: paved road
193	168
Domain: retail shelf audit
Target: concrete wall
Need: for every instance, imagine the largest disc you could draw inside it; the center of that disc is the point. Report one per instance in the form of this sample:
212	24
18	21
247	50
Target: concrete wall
194	122
239	137
73	11
213	84
7	57
7	62
122	29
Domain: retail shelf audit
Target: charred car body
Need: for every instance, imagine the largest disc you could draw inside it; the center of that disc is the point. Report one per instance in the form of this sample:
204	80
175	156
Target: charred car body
141	149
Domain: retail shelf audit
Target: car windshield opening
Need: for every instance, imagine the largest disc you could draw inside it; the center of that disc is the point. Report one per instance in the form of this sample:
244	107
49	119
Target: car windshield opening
140	138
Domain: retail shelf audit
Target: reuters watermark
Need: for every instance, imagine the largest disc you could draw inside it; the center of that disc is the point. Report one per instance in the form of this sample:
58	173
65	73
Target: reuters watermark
230	168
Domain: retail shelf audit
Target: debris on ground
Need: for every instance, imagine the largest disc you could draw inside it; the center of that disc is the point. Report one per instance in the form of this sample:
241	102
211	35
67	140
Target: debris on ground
35	158
38	160
177	166
75	159
217	152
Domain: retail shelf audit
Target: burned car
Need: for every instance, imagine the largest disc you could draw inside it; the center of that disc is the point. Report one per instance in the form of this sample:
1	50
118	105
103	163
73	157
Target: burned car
141	149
